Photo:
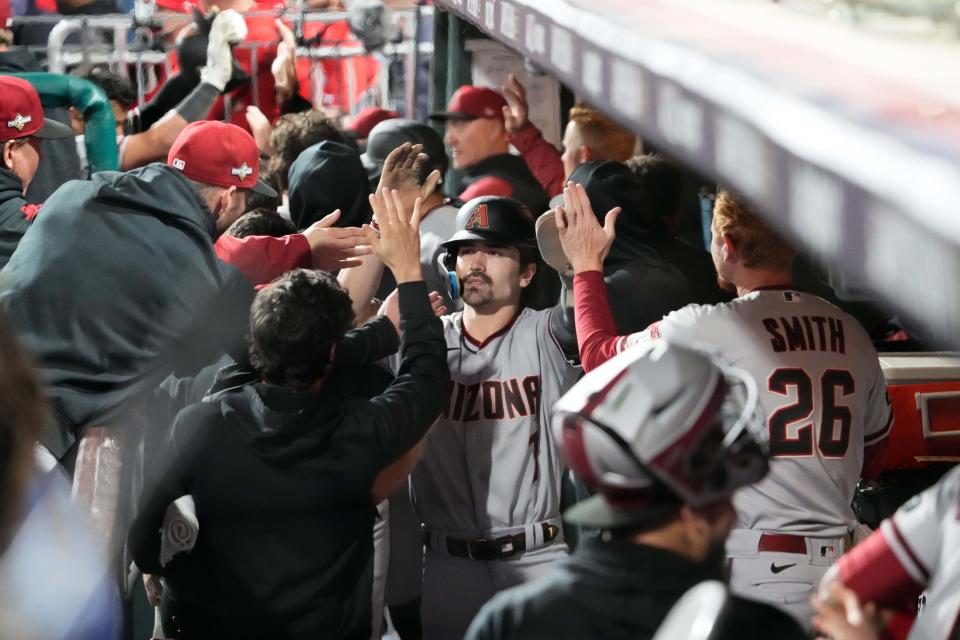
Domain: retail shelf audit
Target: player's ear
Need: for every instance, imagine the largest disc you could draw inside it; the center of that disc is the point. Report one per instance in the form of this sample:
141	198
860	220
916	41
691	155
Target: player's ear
526	275
729	248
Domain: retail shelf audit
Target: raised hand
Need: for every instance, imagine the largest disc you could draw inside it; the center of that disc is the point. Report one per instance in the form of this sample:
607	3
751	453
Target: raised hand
517	114
228	28
398	241
335	247
402	171
584	241
284	66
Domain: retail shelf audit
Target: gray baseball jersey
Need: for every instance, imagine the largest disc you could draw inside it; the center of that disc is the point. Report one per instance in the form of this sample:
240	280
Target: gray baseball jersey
490	462
823	392
923	537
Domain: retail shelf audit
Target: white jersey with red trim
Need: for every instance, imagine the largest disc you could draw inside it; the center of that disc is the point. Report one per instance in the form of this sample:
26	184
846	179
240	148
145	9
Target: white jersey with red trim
490	462
824	394
924	538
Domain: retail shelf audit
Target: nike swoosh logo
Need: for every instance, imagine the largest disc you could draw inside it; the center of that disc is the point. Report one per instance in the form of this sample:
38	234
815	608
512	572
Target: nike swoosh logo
775	569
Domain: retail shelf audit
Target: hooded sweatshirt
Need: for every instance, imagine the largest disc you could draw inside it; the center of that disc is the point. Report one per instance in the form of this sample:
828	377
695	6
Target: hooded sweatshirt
282	483
116	286
326	177
648	272
612	590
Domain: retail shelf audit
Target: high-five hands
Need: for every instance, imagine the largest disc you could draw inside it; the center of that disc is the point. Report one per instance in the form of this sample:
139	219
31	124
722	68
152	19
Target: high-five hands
584	241
397	242
336	247
402	171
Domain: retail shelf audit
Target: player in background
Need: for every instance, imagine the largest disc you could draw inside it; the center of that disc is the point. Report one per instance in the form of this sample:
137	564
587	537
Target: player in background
916	549
820	381
487	487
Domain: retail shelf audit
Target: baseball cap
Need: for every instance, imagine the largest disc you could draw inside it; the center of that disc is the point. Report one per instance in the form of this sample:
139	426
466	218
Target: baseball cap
21	113
220	154
470	102
390	134
364	122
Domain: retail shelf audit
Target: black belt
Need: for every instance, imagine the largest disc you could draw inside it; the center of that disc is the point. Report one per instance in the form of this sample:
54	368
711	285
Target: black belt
493	548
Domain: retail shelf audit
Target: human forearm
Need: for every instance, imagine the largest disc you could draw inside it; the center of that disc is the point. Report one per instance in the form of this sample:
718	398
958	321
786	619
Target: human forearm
541	157
596	329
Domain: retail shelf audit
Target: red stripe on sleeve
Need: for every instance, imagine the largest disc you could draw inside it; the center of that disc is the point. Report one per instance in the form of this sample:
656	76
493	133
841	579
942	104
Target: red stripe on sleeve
873	571
30	211
596	330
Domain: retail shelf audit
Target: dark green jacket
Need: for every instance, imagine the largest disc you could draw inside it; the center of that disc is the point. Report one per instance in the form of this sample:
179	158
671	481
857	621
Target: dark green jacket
115	287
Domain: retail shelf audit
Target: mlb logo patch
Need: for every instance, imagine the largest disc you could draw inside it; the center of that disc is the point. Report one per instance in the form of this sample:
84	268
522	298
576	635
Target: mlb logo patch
791	296
828	551
179	164
478	219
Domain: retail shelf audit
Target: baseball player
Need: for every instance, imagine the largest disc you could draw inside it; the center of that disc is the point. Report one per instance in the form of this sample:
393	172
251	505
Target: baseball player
821	388
916	549
487	488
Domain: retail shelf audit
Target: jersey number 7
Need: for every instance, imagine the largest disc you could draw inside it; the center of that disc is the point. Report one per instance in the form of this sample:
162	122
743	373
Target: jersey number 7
833	435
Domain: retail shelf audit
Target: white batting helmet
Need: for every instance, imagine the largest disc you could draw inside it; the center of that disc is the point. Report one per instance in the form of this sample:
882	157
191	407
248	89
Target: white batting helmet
660	424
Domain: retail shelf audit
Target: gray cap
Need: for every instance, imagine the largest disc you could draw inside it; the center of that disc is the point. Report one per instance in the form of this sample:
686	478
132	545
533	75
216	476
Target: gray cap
390	134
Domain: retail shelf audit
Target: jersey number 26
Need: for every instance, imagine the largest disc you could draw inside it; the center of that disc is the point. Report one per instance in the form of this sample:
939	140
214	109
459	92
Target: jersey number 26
834	424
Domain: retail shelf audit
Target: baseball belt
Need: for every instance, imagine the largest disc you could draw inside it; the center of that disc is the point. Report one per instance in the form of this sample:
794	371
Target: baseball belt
502	548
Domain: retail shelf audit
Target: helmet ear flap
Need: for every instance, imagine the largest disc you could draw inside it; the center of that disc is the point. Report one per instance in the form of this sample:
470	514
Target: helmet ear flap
446	265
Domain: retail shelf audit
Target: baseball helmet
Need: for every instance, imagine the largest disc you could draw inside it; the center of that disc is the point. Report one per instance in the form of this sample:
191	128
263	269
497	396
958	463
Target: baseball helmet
494	219
660	423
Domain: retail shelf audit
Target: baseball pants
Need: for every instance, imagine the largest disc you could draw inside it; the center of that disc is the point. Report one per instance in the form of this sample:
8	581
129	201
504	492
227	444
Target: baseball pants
780	569
454	589
381	562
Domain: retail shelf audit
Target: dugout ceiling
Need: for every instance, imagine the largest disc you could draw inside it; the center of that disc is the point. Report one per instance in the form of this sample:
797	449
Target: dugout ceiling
847	138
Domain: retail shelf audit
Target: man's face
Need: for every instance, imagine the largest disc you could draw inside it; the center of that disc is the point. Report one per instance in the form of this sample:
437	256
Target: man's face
471	141
490	275
572	142
22	157
233	205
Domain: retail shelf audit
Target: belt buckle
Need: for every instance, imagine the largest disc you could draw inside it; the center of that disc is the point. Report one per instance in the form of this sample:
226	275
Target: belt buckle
482	549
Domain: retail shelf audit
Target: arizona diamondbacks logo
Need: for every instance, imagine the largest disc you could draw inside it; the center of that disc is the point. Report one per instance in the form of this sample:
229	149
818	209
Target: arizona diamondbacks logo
19	122
242	171
478	219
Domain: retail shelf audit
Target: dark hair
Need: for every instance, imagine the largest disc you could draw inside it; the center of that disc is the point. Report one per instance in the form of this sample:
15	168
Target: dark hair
295	132
22	418
115	86
294	324
261	222
260	201
662	181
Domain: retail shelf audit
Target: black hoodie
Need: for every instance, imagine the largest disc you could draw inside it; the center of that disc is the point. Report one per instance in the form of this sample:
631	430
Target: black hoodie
648	272
615	590
282	484
117	285
326	177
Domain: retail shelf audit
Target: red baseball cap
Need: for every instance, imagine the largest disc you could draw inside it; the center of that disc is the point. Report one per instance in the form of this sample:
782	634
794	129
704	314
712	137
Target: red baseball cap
21	114
364	122
469	103
220	154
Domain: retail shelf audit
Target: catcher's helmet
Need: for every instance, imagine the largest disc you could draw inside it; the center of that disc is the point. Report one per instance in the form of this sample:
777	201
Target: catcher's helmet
660	423
494	219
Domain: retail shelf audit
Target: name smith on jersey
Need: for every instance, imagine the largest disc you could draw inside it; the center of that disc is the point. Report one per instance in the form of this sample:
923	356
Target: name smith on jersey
805	333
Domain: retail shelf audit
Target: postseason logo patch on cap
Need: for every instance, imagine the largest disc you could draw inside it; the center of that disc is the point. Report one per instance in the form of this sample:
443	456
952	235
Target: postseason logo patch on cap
241	172
178	164
19	122
478	219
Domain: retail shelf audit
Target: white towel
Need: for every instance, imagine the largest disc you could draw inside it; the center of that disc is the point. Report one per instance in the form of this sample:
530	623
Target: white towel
180	529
